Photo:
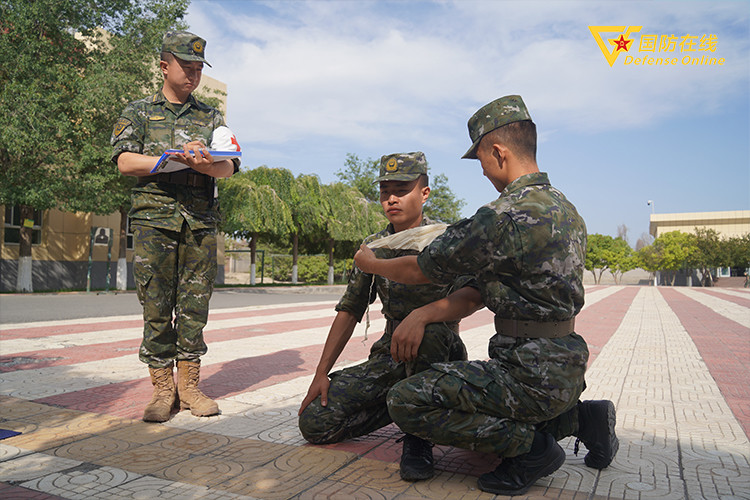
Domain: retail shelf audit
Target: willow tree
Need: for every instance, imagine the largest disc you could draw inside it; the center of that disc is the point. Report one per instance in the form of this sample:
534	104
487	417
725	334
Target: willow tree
251	210
351	218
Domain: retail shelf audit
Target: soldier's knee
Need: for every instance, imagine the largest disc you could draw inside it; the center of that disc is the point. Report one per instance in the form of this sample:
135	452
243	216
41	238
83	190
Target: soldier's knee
400	401
315	424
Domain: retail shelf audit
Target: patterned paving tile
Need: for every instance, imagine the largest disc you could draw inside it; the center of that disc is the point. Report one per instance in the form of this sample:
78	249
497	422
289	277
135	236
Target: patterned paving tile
203	471
333	490
8	452
374	474
290	474
145	459
193	442
93	448
18	493
143	432
251	452
34	465
81	483
14	408
153	488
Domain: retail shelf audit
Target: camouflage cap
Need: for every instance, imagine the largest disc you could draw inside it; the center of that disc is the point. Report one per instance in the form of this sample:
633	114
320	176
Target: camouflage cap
185	45
402	166
492	116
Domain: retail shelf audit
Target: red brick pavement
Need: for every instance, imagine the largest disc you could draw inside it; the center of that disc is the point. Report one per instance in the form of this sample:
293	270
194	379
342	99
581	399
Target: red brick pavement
724	346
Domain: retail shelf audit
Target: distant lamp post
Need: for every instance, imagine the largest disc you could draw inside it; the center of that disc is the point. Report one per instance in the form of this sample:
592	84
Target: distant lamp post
651	204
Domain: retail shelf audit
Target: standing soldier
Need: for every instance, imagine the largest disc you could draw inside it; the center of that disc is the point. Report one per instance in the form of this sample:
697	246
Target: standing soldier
351	402
526	250
174	217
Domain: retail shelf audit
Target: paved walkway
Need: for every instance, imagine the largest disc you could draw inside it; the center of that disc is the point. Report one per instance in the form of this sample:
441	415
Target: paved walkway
674	361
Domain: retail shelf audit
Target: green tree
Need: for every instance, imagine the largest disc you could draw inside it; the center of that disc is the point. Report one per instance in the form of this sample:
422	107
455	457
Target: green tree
649	258
351	218
598	254
622	259
361	175
607	253
675	250
737	251
251	210
709	253
442	204
61	81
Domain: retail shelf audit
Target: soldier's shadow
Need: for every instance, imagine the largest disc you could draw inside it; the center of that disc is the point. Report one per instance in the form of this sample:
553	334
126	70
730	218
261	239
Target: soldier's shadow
244	374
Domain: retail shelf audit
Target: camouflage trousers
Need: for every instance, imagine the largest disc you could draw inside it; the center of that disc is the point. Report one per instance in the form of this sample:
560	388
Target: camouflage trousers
356	395
174	274
495	406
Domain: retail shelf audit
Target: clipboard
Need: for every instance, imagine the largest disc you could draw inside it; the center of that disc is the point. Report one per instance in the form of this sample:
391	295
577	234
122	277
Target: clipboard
165	164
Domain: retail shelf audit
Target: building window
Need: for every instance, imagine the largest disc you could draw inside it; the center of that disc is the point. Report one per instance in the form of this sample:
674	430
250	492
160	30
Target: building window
13	226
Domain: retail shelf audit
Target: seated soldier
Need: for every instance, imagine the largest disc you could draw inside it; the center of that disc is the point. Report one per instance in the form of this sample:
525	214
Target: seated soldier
352	403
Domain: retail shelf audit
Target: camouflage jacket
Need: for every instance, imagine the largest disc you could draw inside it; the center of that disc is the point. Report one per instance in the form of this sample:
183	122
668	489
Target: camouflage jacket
398	299
150	126
526	249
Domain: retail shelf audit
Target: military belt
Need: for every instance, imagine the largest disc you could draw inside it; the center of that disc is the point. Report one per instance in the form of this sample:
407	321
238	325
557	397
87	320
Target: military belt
181	177
534	329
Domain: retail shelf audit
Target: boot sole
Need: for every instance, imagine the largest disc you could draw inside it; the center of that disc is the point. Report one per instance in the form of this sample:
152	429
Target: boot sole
199	414
614	443
417	476
549	469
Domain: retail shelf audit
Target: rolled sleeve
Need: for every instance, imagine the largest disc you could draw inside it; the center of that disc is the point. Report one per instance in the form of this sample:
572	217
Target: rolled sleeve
127	135
462	250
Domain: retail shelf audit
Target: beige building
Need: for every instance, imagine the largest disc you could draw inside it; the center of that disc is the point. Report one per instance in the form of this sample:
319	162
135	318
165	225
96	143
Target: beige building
728	224
70	250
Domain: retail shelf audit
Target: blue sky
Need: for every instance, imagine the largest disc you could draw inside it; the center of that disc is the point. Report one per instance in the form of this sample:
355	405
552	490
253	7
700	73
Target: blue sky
309	82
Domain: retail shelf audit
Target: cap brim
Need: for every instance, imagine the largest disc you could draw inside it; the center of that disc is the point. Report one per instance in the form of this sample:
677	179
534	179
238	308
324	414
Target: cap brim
192	58
471	154
397	177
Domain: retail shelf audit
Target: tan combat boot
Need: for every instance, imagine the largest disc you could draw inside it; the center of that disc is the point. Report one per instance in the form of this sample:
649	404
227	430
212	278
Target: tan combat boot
188	375
160	407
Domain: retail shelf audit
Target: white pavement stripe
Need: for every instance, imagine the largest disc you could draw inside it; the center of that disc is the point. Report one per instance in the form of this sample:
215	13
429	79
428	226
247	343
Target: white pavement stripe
601	294
726	308
110	319
44	382
675	427
14	346
743	293
34	384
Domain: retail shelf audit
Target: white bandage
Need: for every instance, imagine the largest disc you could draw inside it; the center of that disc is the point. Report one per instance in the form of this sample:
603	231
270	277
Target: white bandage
224	140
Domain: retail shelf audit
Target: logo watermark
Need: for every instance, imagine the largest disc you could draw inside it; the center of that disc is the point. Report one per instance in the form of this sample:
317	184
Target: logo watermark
655	49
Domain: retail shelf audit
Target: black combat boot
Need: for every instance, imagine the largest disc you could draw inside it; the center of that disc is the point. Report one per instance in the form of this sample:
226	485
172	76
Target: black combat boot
515	475
417	462
596	430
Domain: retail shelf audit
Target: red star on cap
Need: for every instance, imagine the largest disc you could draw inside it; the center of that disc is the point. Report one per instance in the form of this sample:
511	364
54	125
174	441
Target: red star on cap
622	43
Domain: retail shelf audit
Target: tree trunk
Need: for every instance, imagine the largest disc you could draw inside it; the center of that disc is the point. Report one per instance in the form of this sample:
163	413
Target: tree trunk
330	261
295	246
253	249
24	275
122	252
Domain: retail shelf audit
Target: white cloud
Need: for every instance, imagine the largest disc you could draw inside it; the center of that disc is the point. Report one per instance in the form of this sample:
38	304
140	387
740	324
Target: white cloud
310	81
351	70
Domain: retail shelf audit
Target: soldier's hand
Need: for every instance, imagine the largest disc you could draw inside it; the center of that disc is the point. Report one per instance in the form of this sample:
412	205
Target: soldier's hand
196	156
365	259
407	338
318	387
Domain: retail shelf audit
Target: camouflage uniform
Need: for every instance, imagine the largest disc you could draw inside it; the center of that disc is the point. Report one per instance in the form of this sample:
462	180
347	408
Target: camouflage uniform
356	395
526	250
174	219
